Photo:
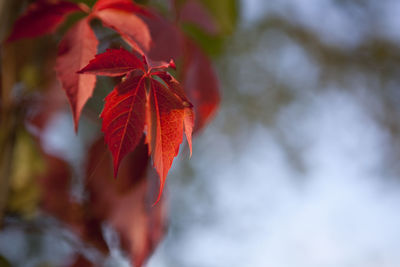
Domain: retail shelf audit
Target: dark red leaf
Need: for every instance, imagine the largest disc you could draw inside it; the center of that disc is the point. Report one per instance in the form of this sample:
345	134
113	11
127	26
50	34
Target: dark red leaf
123	117
41	18
76	49
114	62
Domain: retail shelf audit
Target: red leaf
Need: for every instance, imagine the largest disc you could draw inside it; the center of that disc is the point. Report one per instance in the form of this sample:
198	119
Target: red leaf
200	83
123	117
131	28
114	62
128	112
188	121
165	129
40	18
78	46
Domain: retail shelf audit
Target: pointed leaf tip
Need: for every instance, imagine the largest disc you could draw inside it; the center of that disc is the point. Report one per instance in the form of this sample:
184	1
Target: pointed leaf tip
188	124
160	193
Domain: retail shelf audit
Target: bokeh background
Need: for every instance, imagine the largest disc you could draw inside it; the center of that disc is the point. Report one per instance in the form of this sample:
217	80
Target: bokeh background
300	166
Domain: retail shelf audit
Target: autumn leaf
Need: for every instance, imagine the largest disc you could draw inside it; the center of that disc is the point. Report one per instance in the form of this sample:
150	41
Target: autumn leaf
188	115
77	47
42	17
117	63
123	117
165	128
148	99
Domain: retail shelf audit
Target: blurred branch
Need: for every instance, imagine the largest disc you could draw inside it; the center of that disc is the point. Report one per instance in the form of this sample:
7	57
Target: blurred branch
374	60
367	54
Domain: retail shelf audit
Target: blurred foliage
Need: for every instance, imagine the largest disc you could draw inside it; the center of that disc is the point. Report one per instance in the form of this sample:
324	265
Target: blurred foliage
370	70
225	14
27	166
211	44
